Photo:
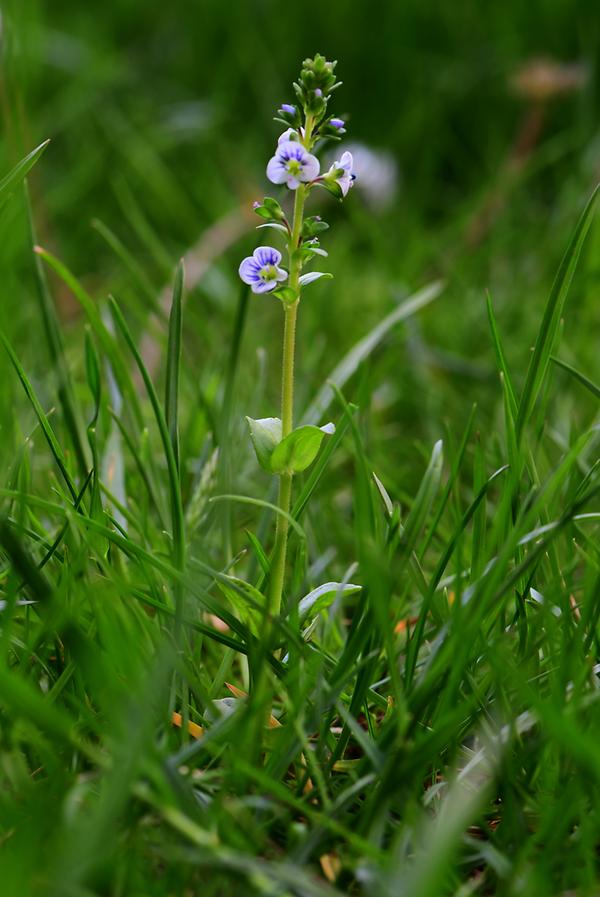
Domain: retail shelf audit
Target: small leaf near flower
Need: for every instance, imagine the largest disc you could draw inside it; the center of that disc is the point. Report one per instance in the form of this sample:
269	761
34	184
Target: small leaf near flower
266	435
311	248
312	276
298	450
275	226
286	294
313	226
269	208
332	187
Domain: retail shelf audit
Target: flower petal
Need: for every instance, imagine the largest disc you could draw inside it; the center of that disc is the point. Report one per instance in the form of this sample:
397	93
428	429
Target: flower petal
293	182
266	255
276	171
280	275
291	149
264	286
286	136
345	183
249	270
346	161
310	167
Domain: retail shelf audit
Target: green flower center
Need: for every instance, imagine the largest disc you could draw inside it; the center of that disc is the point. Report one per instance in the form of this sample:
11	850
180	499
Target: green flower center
294	167
269	272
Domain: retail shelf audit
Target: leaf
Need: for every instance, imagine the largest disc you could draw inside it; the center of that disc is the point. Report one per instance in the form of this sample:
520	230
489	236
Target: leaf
56	350
313	226
275	226
323	596
332	187
585	381
177	516
286	294
246	600
314	275
298	450
269	208
265	435
549	327
174	362
19	172
43	421
501	358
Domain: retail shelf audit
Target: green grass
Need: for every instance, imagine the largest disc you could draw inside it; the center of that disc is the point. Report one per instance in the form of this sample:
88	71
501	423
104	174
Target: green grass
436	692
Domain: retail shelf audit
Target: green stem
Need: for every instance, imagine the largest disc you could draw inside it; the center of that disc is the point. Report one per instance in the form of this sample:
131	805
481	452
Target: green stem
287	406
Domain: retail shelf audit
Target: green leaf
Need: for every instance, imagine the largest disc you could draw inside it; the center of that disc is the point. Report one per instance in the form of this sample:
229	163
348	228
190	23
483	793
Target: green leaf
262	212
19	172
43	421
266	435
275	225
314	275
174	362
177	516
549	327
332	187
56	350
585	381
313	226
298	450
92	367
246	600
321	597
286	294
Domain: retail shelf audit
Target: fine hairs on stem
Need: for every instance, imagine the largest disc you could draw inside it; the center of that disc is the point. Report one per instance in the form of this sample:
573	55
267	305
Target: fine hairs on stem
281	449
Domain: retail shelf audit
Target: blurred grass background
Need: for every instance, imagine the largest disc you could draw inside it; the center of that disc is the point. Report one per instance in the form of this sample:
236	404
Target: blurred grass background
166	110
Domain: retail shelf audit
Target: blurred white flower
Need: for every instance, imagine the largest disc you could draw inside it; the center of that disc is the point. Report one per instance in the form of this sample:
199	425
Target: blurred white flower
377	174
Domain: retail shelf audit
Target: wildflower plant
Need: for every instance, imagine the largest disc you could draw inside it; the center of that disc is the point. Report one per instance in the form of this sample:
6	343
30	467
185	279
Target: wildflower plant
280	449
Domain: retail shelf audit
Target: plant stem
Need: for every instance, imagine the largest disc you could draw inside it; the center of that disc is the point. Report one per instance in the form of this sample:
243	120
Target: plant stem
287	407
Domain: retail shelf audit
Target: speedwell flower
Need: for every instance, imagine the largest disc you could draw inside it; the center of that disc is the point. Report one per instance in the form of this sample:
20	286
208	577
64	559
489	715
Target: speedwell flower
292	164
260	270
341	172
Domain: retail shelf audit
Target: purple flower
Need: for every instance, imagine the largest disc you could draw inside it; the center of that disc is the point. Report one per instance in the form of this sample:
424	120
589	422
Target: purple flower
337	122
341	172
260	270
292	164
285	107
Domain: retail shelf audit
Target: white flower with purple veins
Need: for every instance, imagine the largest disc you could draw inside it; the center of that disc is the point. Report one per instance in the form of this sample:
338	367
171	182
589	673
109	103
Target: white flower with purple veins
341	172
260	270
292	164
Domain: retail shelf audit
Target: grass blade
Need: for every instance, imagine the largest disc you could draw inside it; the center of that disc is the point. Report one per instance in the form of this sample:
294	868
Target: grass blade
14	177
174	362
585	381
548	331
